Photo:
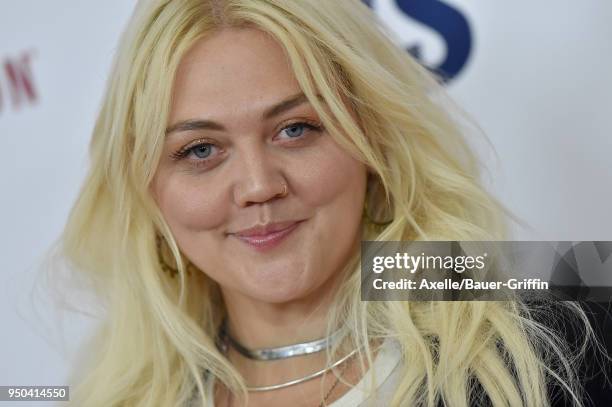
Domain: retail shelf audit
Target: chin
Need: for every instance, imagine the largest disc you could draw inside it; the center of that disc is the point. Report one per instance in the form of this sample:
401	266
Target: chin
284	289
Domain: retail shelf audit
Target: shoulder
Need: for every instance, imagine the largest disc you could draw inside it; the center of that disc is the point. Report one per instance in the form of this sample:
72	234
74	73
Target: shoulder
595	370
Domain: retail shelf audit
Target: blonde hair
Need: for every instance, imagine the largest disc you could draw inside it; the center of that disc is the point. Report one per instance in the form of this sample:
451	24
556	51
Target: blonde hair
158	335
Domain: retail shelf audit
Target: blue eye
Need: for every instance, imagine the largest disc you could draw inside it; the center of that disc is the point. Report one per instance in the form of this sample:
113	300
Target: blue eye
198	152
201	150
300	130
295	130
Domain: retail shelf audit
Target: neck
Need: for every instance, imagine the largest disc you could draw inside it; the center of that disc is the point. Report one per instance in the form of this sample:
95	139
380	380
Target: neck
263	325
257	324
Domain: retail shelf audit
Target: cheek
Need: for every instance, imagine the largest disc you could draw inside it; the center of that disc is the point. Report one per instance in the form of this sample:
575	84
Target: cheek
333	178
188	203
334	188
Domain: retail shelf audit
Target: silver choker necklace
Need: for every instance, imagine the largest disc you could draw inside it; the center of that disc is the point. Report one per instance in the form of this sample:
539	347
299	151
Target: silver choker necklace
224	340
281	352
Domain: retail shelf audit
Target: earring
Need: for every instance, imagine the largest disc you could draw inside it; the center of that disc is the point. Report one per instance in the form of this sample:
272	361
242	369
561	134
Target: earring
376	212
163	252
378	225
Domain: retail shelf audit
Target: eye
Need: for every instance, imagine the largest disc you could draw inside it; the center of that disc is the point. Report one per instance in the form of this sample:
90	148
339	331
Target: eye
299	130
202	150
198	151
295	130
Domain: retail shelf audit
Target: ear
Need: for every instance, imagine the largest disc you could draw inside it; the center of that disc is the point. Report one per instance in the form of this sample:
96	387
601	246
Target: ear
376	207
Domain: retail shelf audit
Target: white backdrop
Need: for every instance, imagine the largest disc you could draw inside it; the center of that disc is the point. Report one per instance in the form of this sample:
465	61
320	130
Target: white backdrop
537	79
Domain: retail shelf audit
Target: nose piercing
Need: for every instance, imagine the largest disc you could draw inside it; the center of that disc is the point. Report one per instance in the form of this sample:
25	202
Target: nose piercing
285	190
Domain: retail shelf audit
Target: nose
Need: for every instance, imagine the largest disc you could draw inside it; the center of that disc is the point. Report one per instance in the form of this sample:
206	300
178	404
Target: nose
260	180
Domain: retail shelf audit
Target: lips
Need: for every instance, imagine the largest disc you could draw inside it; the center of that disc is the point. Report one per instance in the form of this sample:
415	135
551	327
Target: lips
263	230
266	236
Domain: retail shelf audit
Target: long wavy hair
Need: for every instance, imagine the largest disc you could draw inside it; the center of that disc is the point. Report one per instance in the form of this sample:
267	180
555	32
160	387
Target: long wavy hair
158	333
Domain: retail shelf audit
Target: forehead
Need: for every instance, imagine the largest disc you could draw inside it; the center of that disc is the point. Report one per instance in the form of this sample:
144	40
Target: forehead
230	70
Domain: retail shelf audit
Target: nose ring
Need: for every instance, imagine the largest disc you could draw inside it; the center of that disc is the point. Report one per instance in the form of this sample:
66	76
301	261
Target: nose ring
285	190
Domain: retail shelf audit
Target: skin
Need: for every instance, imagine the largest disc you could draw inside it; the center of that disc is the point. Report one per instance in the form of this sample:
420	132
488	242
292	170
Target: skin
233	180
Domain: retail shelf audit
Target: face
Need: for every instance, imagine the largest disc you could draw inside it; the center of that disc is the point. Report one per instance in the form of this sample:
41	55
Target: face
255	191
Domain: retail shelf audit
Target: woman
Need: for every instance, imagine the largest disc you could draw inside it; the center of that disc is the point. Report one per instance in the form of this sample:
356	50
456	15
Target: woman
243	150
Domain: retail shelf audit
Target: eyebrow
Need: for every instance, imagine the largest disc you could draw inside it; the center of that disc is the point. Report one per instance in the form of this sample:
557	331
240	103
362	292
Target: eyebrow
270	112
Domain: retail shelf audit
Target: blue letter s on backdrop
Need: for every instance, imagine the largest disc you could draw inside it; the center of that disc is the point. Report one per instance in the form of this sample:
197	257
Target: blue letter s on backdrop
447	21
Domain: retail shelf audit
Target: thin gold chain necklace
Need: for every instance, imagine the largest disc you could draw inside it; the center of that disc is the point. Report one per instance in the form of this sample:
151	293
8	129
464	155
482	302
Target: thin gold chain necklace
331	389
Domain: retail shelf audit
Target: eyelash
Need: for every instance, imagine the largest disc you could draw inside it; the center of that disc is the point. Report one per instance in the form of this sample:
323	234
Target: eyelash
185	151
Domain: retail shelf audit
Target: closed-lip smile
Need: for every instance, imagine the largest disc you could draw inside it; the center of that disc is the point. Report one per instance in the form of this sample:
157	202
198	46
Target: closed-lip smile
263	237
